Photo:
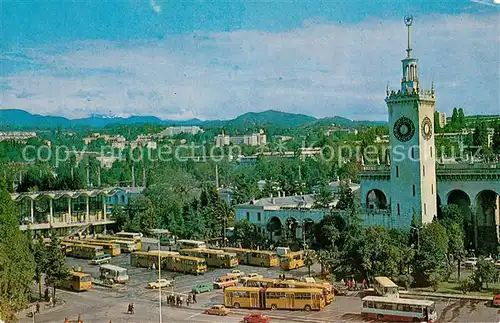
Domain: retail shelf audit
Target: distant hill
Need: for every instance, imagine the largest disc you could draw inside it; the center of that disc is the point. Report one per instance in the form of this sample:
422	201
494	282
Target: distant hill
278	118
20	119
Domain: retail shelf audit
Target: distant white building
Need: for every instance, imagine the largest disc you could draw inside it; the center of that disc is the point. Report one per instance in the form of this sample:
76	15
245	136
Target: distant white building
255	139
17	135
173	131
442	119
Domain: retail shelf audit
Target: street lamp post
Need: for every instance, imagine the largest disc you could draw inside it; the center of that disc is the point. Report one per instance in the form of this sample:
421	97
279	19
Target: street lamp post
159	277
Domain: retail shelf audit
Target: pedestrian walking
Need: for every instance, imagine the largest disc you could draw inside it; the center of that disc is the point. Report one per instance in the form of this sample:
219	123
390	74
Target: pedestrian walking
194	298
37	307
149	248
66	320
79	320
364	284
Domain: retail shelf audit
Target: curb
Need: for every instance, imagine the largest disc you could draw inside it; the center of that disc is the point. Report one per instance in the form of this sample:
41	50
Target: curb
441	295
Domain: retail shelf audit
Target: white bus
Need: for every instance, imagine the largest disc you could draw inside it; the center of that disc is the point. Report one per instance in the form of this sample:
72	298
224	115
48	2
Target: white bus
189	244
124	234
113	274
398	309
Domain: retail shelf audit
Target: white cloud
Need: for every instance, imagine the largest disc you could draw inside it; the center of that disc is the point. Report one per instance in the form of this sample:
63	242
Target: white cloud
156	8
320	69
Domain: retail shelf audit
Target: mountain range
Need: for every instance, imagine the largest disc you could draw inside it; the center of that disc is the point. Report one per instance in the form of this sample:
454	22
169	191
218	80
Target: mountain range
20	119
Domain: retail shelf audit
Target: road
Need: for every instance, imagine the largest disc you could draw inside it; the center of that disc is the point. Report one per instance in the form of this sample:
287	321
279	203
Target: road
102	304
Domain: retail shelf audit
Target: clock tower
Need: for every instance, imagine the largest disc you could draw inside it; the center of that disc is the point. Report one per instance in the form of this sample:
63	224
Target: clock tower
413	156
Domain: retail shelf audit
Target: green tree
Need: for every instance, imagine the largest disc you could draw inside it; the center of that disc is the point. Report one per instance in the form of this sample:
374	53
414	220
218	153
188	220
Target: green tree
431	257
17	266
480	138
454	119
461	118
246	234
346	199
56	270
485	273
40	256
324	197
496	139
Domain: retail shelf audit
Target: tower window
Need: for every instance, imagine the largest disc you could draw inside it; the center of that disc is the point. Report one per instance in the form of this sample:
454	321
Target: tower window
399	211
423	170
397	171
430	148
425	208
413	190
432	189
412	152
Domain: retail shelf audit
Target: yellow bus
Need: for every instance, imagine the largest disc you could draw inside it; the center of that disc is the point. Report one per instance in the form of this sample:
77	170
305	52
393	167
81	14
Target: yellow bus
292	260
213	257
169	261
126	244
85	251
262	258
385	287
262	282
65	247
327	289
110	247
77	281
274	298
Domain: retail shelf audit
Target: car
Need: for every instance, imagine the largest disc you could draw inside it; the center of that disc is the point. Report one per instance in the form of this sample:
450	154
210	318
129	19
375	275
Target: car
220	310
307	280
101	259
237	273
201	288
496	301
256	318
160	283
225	281
251	275
470	262
497	264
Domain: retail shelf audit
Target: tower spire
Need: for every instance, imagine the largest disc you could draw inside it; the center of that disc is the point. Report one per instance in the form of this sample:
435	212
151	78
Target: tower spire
408	21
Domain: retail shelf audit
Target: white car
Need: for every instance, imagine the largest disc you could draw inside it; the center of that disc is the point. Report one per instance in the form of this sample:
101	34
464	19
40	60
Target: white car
470	262
160	283
251	275
237	273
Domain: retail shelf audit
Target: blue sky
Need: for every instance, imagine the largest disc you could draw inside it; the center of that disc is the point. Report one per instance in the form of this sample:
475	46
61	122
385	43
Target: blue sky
218	59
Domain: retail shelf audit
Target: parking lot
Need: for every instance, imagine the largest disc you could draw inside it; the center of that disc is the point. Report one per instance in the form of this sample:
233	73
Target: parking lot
112	301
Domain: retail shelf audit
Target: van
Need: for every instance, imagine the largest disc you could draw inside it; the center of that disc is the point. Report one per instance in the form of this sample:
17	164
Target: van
282	250
225	281
100	259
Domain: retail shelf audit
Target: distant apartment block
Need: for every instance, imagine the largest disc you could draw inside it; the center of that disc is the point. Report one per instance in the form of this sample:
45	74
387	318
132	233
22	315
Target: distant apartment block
465	135
17	135
255	139
172	131
333	129
441	119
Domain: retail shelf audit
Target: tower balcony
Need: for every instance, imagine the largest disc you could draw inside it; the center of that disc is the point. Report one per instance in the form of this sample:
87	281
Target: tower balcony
394	96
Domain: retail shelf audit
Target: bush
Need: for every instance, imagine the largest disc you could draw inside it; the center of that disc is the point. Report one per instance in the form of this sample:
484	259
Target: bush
434	280
405	280
466	286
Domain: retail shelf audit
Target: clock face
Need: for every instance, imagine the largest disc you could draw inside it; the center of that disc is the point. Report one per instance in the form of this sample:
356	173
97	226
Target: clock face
404	129
426	128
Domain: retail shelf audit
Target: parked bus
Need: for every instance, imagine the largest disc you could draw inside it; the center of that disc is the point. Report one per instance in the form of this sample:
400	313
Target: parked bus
124	234
261	258
398	309
189	244
172	261
66	247
109	246
292	260
113	274
213	257
261	282
126	244
77	281
327	289
85	251
274	298
385	287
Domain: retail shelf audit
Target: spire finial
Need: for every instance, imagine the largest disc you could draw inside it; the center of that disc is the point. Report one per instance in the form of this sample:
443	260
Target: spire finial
408	21
432	87
387	89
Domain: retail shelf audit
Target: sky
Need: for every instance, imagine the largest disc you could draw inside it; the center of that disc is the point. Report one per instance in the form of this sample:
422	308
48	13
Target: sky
217	59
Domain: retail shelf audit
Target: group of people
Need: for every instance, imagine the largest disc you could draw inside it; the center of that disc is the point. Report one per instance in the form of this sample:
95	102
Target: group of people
130	308
79	319
352	285
179	300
